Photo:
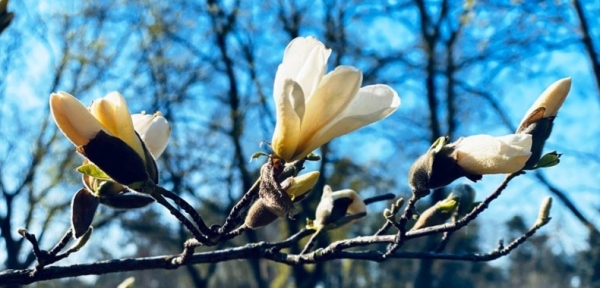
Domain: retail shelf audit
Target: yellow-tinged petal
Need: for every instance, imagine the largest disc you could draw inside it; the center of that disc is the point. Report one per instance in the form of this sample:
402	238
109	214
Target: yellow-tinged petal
302	184
113	113
335	92
73	118
287	129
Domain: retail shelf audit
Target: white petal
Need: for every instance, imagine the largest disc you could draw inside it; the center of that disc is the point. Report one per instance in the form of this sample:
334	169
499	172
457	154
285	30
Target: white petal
304	61
287	128
154	130
336	91
484	154
371	104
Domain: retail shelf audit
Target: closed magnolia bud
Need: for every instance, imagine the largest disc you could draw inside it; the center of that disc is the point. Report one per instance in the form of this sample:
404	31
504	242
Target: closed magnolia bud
544	213
436	214
302	184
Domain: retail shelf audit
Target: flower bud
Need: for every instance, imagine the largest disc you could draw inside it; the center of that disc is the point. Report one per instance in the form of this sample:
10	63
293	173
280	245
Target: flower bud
437	214
336	205
259	215
302	184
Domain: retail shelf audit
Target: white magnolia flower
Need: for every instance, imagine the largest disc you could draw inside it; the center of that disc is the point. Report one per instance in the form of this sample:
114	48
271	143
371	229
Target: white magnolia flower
313	108
484	154
154	130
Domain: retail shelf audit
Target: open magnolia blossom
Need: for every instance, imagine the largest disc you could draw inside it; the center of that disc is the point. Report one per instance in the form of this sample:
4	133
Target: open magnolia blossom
484	154
314	107
334	206
105	135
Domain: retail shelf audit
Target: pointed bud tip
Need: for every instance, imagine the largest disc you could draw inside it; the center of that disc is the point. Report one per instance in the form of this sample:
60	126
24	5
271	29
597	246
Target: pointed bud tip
544	213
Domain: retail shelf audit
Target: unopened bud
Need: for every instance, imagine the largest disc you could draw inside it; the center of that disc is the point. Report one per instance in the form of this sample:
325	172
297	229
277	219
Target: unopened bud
544	214
259	215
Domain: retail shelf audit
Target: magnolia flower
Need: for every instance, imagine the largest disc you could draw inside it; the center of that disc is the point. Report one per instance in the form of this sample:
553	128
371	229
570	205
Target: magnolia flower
105	135
484	154
336	205
314	107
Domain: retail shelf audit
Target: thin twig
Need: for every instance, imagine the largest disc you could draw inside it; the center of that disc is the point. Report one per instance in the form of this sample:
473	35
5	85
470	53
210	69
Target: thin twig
235	213
188	209
312	241
401	226
61	243
186	222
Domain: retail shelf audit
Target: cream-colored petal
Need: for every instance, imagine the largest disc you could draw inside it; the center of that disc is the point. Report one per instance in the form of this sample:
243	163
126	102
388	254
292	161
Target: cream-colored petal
336	91
141	122
552	98
154	130
113	113
371	104
73	118
304	61
287	128
484	154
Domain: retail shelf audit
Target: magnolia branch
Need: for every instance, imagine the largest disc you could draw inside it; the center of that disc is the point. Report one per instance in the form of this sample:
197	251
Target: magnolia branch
272	250
266	250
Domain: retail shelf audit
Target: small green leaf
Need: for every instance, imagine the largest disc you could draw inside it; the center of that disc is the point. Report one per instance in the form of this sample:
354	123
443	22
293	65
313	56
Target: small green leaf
548	160
439	144
257	155
447	205
93	171
312	157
